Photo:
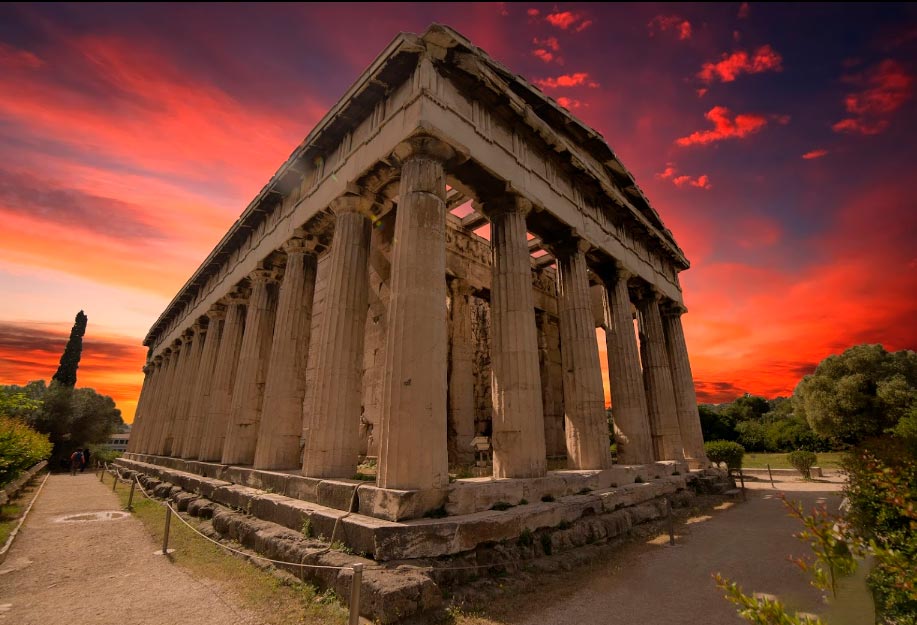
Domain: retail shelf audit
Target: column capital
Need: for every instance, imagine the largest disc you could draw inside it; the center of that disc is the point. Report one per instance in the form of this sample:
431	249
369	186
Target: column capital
217	312
508	203
566	246
671	308
611	271
424	146
351	203
157	360
646	293
199	327
262	276
236	297
307	244
460	287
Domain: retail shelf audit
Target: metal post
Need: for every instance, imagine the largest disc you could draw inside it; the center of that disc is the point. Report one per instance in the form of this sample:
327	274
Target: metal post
101	475
671	519
130	496
356	581
114	482
742	479
770	475
165	535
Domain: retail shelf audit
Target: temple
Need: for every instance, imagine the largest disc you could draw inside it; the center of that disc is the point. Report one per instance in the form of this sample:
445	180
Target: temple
422	280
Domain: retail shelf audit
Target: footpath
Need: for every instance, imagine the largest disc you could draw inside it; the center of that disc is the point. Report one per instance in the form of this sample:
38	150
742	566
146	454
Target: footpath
99	569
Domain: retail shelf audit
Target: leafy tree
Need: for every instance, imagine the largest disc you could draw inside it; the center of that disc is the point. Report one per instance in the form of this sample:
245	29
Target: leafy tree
726	452
858	394
16	403
716	426
803	461
752	435
746	408
20	448
70	360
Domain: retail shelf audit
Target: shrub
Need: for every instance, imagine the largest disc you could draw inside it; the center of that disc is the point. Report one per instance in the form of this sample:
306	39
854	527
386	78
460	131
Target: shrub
20	448
725	452
802	461
526	539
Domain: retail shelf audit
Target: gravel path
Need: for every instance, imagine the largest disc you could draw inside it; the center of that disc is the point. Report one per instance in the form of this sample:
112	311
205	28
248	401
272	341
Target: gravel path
661	585
99	572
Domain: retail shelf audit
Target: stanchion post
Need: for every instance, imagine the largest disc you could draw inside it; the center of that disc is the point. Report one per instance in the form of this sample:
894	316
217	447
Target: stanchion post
102	475
114	481
671	519
356	582
130	496
770	475
165	534
742	480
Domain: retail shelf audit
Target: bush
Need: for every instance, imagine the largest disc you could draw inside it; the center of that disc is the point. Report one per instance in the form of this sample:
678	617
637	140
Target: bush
725	452
802	461
20	448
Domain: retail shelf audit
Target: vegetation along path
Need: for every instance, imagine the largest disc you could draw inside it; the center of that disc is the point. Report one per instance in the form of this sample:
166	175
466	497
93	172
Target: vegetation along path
100	571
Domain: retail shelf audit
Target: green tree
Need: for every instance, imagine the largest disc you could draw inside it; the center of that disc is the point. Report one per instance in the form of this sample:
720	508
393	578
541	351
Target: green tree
716	426
70	359
858	394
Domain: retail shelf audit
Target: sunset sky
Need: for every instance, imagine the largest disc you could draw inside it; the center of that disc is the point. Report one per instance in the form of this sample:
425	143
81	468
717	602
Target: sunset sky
778	143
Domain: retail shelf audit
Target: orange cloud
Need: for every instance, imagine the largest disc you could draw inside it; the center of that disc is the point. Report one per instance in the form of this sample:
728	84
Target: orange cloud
678	25
701	182
550	43
885	88
543	54
724	128
569	103
567	80
813	154
562	19
764	59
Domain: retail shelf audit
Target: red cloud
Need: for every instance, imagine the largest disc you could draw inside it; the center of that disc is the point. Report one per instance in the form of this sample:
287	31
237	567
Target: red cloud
730	66
744	10
562	20
11	57
813	154
543	54
567	80
701	182
533	12
569	103
724	127
550	43
886	88
547	50
670	22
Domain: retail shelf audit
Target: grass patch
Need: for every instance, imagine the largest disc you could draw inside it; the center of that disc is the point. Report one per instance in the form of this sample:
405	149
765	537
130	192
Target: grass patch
275	601
9	515
826	460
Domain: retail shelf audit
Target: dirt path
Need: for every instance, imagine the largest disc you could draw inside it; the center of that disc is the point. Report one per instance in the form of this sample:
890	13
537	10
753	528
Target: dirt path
101	572
747	542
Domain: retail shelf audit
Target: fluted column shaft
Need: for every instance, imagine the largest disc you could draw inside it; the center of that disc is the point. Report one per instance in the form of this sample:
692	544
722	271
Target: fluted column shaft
331	434
461	374
518	415
193	346
254	354
282	411
142	400
584	396
177	391
165	403
412	443
200	398
683	383
657	381
149	410
224	376
628	395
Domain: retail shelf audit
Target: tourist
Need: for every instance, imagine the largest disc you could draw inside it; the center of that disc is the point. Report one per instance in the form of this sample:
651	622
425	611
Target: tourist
76	461
85	460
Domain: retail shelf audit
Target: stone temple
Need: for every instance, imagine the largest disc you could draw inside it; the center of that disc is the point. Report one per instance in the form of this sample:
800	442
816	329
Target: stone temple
353	312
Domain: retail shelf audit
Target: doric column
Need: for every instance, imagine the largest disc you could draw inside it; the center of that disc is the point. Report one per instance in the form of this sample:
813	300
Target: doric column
412	441
518	416
584	396
149	410
552	387
657	380
461	373
191	369
144	398
628	396
683	383
200	398
178	391
166	402
254	354
281	415
331	434
224	376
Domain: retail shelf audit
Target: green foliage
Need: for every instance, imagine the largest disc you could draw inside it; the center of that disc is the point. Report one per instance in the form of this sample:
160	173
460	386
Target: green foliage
101	455
803	461
20	448
725	452
71	417
760	610
526	539
752	435
882	493
15	402
70	359
858	394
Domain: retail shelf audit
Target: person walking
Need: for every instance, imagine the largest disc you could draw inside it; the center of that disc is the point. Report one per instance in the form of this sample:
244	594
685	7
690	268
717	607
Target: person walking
76	461
85	460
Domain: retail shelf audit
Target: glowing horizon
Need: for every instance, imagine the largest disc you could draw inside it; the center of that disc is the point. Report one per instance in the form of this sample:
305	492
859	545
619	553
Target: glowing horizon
131	137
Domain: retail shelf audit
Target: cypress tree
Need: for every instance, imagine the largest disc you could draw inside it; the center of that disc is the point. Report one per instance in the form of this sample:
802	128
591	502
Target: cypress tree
70	360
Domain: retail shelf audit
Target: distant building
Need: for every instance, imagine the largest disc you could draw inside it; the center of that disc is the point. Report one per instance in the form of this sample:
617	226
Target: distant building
117	441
